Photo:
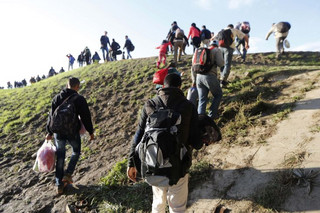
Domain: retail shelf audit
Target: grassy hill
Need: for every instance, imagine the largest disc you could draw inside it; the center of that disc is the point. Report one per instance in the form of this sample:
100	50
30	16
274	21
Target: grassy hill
115	92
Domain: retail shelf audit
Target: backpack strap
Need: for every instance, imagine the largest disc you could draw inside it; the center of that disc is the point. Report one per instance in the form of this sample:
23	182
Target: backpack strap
69	97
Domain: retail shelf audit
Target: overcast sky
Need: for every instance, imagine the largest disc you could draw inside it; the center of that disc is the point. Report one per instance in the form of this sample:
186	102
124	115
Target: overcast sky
37	34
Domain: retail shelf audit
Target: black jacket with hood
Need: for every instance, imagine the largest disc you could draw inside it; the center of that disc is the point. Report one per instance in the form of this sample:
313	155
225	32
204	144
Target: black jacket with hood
81	106
188	131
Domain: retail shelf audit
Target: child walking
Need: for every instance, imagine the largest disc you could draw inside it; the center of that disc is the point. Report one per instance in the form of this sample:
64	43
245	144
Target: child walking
163	51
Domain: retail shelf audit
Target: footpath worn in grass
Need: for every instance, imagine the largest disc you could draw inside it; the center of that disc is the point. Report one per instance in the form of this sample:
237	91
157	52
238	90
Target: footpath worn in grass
115	93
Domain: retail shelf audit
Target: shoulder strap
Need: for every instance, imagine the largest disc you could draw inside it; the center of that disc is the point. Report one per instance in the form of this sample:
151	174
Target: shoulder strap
70	97
176	106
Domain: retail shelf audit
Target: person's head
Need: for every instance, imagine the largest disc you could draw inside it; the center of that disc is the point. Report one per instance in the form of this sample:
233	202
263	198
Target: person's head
174	23
113	40
164	41
73	83
204	27
193	25
105	32
126	37
172	64
214	43
212	34
230	26
172	80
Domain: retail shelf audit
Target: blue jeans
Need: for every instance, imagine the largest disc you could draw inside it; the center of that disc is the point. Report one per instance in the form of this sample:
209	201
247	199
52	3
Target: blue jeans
227	56
105	49
241	43
128	53
75	143
206	83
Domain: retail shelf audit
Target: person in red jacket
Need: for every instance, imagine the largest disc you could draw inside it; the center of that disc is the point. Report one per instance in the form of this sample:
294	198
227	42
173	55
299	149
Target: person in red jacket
163	51
194	32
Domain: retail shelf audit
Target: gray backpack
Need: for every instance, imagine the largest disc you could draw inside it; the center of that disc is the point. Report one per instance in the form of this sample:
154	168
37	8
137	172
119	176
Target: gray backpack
160	152
283	27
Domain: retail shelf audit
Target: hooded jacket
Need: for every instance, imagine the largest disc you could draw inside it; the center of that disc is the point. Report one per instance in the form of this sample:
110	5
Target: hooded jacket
81	106
188	132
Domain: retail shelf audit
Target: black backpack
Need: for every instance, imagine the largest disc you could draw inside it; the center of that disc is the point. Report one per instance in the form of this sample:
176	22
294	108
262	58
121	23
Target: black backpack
64	119
201	61
225	38
283	27
131	47
160	152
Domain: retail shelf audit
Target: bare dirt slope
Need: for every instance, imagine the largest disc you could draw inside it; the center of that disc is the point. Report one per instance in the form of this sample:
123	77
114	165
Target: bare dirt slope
241	171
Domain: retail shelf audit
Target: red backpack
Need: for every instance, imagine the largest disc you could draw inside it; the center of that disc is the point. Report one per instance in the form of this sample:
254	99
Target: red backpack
201	61
158	77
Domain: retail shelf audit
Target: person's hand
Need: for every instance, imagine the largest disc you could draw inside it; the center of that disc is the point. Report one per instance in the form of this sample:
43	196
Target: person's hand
247	46
132	173
48	137
92	137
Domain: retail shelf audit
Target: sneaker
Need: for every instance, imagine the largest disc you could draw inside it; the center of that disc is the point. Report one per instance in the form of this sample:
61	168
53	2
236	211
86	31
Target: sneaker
59	189
223	84
67	179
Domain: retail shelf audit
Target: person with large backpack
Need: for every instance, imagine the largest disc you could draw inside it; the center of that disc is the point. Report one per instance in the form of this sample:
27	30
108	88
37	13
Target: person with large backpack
281	31
172	31
226	38
129	46
194	32
168	129
64	125
245	28
204	74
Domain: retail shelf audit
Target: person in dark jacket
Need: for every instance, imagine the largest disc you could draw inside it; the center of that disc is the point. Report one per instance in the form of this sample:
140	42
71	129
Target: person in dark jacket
80	59
96	58
205	36
82	110
128	45
87	55
61	70
115	47
188	134
104	40
52	72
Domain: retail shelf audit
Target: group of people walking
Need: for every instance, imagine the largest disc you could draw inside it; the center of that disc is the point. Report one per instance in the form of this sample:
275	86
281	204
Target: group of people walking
212	53
164	166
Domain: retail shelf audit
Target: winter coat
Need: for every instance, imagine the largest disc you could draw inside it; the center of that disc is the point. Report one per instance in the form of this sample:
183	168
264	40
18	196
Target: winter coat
188	132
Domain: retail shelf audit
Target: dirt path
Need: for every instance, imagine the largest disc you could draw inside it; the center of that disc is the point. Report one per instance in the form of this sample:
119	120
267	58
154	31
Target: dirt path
241	170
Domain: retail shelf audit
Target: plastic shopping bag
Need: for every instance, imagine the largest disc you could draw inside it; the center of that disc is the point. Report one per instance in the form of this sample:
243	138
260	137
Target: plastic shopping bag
193	95
82	130
46	155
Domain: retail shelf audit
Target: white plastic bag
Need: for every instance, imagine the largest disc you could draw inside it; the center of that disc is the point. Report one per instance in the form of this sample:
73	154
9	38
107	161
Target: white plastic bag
46	155
286	43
